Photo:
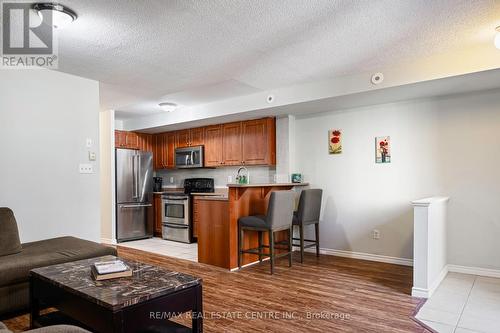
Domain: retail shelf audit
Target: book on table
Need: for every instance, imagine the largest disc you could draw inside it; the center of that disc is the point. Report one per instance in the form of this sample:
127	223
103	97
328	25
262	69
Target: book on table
110	270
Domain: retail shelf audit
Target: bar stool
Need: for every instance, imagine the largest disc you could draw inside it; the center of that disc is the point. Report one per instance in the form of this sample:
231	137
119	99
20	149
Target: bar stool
308	213
279	217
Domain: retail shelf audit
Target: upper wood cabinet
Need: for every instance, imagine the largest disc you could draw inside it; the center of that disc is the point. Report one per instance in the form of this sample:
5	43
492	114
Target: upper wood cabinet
145	141
259	142
231	144
164	150
250	142
182	138
120	139
133	140
197	136
190	137
213	146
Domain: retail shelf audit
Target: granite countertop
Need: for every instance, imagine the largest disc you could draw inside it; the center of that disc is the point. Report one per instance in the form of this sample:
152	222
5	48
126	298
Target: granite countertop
147	282
213	197
268	185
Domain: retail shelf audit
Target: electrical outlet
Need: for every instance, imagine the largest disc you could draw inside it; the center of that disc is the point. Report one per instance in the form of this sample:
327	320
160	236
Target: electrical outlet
171	180
92	156
229	179
376	234
86	168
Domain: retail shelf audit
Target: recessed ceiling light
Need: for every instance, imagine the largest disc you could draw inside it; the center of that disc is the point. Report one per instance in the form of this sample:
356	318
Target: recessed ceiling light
497	38
55	14
168	107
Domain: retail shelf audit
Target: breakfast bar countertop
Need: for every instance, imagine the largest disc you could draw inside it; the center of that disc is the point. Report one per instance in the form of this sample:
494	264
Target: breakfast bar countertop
268	185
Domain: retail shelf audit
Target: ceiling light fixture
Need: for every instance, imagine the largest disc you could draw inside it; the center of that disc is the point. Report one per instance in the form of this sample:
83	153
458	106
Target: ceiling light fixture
168	107
497	38
60	14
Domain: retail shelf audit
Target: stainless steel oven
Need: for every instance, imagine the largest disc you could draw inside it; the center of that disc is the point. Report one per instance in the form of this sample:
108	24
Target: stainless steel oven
176	217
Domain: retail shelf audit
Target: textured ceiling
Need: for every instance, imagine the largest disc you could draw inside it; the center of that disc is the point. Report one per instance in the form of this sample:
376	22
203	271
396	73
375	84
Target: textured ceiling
192	51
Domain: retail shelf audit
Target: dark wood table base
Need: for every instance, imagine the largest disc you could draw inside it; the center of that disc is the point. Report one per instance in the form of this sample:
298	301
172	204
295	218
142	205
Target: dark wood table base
148	316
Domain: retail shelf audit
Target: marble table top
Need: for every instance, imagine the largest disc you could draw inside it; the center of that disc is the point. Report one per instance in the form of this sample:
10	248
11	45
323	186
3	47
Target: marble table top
147	282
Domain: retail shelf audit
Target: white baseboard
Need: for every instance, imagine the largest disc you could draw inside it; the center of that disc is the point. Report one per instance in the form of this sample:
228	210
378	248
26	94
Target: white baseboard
108	241
426	293
364	256
474	270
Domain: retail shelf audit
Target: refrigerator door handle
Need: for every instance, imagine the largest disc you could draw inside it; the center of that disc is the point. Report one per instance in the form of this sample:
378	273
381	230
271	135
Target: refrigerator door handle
135	171
139	181
135	206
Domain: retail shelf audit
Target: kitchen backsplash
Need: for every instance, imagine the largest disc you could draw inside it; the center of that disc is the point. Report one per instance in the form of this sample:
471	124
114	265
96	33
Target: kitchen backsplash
258	174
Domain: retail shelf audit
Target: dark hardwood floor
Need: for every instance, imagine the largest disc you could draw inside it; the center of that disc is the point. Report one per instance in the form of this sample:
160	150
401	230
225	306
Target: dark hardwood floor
369	296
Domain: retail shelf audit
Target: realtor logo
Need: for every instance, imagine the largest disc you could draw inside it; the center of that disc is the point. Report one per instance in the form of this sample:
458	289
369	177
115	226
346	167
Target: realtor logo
27	40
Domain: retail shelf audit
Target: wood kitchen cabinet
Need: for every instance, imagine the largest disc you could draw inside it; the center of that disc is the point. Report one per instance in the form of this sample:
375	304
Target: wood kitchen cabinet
213	146
213	232
145	141
258	142
231	144
164	150
157	215
250	142
133	140
190	137
196	217
120	139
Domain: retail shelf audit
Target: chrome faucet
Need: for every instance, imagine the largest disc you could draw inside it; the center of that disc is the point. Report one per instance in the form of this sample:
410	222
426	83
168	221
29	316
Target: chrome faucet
243	178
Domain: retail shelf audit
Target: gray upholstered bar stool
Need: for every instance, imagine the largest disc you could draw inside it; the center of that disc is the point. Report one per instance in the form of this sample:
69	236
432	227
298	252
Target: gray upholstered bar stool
308	213
279	217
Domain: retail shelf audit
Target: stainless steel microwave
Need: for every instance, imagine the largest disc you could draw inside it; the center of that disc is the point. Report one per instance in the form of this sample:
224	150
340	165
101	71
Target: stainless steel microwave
189	157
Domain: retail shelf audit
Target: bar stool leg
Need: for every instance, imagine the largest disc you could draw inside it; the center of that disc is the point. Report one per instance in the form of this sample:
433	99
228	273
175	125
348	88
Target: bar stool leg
271	250
301	231
261	238
290	246
240	245
316	228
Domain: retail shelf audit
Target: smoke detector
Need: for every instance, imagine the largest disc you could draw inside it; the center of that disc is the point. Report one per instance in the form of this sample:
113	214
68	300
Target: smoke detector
377	78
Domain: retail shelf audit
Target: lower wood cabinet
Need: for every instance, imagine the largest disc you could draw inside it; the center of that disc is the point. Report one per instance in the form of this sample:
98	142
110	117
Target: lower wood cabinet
213	232
157	215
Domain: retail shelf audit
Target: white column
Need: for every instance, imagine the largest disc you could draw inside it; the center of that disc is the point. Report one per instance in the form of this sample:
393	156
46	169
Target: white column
285	148
429	245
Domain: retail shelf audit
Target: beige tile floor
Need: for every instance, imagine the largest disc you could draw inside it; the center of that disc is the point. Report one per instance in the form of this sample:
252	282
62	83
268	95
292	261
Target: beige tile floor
464	304
166	248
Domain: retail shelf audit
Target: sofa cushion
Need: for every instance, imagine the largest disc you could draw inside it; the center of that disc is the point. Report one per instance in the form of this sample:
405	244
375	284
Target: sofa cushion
15	268
9	235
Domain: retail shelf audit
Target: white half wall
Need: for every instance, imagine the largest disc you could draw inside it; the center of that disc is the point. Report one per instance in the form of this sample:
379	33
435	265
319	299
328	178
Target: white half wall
430	245
45	119
441	146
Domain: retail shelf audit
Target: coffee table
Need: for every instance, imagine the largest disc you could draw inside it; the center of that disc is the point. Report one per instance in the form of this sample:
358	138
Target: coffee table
143	302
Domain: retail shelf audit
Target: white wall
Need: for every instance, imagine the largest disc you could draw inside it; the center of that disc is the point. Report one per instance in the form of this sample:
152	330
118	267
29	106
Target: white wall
445	146
45	118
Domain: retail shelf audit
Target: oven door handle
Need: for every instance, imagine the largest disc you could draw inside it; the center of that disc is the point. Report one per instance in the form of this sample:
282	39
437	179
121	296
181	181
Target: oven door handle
175	226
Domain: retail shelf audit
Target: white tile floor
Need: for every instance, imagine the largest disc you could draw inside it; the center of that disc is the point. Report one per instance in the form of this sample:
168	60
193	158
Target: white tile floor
166	248
464	304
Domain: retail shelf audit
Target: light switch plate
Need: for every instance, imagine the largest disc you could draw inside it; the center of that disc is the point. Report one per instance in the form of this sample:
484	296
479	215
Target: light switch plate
88	142
86	168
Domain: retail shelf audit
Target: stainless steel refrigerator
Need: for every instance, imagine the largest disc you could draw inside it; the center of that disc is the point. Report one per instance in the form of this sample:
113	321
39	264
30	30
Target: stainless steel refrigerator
134	194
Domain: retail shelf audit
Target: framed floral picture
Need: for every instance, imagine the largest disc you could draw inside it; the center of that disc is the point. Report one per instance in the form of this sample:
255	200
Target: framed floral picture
383	149
335	141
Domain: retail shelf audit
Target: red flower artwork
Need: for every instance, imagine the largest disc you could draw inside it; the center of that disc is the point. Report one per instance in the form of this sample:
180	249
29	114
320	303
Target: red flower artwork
336	133
335	146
